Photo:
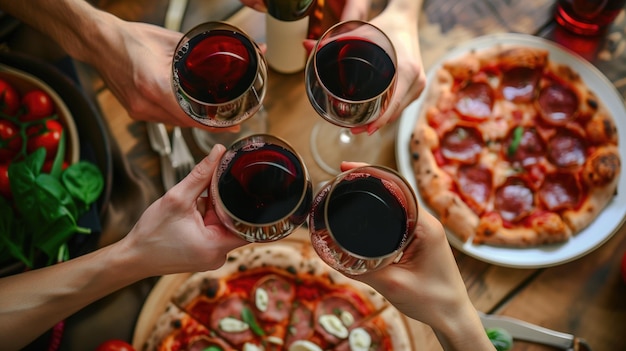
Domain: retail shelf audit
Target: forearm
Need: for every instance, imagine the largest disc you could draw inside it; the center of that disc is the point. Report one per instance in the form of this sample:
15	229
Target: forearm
75	25
32	302
463	331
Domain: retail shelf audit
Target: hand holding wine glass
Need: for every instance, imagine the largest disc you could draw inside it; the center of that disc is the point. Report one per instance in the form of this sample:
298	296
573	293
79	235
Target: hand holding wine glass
261	190
363	219
219	78
350	78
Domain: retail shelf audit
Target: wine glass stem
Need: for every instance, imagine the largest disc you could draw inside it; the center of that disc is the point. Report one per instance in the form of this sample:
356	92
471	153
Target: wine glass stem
346	136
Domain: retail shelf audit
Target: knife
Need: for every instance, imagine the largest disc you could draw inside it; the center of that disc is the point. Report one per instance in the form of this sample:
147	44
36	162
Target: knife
530	332
160	142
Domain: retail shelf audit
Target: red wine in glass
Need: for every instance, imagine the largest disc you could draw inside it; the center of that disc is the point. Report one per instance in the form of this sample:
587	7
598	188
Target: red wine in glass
219	74
363	219
262	189
354	69
217	66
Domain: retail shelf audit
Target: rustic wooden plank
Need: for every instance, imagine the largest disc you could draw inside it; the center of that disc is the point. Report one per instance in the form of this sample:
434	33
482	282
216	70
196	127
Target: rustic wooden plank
586	297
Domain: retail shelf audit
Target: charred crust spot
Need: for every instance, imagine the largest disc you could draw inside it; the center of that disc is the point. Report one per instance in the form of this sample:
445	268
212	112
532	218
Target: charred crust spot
231	258
488	232
592	103
415	156
428	171
609	128
291	269
177	323
242	268
212	286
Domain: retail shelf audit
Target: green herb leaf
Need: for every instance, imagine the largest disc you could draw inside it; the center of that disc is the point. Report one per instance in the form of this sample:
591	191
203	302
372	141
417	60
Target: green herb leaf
517	139
500	338
84	181
212	348
248	317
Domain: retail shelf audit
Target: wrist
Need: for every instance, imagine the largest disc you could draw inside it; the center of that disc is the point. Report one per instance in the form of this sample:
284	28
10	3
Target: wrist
462	330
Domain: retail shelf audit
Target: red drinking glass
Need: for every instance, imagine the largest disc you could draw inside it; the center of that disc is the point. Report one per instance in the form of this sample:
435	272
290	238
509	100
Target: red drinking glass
587	17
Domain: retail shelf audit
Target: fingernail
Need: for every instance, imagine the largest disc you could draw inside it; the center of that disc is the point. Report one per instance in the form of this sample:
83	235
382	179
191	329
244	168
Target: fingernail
216	152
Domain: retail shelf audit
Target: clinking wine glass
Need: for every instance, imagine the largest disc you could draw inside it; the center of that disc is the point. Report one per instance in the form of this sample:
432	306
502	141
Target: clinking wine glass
350	77
363	219
220	80
261	189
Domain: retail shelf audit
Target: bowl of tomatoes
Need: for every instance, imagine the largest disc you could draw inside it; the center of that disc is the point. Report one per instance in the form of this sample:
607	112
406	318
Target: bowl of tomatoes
32	115
45	188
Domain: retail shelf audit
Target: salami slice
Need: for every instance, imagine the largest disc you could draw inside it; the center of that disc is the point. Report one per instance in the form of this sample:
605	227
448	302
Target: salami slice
518	84
567	149
557	104
476	185
514	200
300	324
560	190
272	298
227	320
462	144
524	147
475	101
334	317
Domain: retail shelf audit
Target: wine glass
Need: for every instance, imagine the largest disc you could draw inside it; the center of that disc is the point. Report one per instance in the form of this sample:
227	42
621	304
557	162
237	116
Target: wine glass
363	219
261	189
350	77
220	79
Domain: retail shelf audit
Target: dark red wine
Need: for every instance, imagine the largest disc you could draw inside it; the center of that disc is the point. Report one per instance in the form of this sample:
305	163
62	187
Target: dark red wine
364	217
289	10
264	184
354	69
216	66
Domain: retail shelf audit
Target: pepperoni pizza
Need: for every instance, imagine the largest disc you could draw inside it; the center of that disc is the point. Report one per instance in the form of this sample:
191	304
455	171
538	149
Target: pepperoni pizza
513	149
277	297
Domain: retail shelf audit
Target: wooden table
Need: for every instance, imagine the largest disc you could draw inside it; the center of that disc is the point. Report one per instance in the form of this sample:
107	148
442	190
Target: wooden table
585	297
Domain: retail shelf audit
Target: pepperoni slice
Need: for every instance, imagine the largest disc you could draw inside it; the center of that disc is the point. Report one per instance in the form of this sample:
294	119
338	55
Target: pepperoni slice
518	84
462	144
272	297
566	149
524	146
475	101
514	200
560	191
558	104
475	184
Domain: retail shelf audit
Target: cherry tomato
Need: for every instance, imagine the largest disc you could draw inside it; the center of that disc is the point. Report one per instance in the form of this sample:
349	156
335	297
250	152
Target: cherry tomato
115	345
9	99
37	105
46	135
5	189
10	140
47	165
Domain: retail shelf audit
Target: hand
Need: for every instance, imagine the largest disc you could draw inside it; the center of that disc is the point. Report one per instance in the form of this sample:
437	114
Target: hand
137	68
180	232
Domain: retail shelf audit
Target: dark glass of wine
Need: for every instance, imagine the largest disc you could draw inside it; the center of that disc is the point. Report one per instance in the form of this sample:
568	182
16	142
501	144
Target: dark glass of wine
261	189
363	219
219	74
350	77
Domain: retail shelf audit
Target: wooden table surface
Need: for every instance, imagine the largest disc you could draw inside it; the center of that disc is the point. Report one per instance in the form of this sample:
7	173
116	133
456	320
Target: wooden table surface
585	297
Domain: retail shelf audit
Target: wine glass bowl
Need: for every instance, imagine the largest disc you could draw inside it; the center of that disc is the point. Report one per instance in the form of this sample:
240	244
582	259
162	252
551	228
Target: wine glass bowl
363	219
350	78
219	74
261	189
350	75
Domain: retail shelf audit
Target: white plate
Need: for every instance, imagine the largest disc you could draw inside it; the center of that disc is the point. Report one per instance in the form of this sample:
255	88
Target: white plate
609	220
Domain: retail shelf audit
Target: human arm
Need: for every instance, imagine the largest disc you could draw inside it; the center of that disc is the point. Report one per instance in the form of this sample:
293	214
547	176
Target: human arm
177	233
426	285
134	59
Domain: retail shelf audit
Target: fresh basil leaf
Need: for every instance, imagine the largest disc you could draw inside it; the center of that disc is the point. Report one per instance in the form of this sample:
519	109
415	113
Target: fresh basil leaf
53	187
516	140
57	164
500	338
84	181
213	348
248	317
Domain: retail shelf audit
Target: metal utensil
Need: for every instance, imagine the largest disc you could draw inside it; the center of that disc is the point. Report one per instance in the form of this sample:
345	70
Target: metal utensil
182	160
160	142
530	332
